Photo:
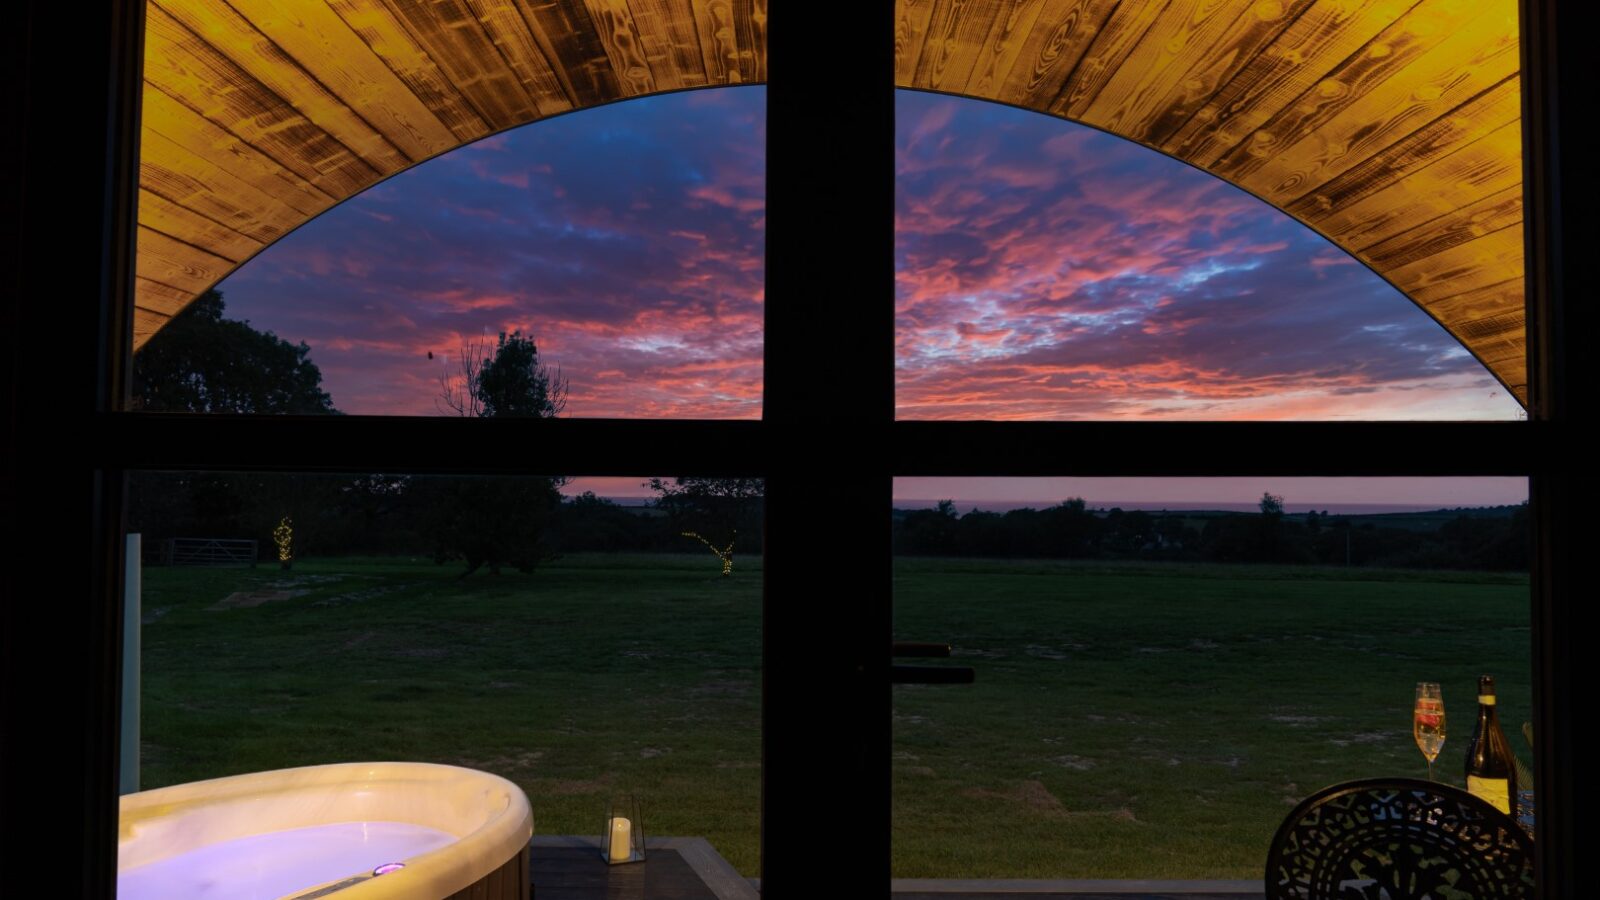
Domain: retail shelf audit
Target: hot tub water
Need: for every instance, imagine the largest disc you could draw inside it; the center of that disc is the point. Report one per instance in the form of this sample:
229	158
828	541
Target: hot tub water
280	863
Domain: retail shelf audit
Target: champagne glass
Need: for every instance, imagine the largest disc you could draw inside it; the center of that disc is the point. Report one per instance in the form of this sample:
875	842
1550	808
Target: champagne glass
1427	722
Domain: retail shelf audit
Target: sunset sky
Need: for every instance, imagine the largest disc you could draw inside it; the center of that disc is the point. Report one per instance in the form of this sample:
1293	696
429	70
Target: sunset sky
1231	492
1045	271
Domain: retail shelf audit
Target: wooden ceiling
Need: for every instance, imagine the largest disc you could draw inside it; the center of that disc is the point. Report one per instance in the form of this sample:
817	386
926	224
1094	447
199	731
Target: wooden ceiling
1389	126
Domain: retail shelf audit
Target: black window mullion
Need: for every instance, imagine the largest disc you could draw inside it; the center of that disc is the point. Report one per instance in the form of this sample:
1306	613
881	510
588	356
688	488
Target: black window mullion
1565	491
433	444
750	448
1224	448
66	257
829	401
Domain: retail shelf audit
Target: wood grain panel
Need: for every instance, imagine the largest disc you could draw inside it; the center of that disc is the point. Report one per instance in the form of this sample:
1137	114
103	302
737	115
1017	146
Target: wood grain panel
1496	108
1481	52
620	36
1384	59
717	23
222	149
163	215
573	46
1308	49
1103	59
188	179
1485	166
671	41
146	322
321	42
1242	42
754	52
911	19
1491	314
222	35
1476	263
169	261
259	114
1051	51
1003	45
158	298
1182	60
1493	213
1500	335
378	27
957	32
1491	321
503	21
462	49
181	64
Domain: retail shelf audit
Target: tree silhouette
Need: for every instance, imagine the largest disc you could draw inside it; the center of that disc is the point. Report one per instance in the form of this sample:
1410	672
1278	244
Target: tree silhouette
504	380
203	363
1271	504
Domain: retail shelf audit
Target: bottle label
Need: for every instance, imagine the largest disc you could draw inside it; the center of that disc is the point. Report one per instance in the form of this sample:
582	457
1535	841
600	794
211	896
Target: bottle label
1495	790
1486	699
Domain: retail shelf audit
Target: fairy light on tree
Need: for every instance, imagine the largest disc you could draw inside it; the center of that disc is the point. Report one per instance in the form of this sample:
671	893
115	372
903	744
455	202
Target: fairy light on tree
725	554
283	536
718	507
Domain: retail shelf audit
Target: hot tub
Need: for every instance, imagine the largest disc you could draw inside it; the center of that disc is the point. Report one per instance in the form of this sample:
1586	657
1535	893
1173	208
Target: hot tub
328	831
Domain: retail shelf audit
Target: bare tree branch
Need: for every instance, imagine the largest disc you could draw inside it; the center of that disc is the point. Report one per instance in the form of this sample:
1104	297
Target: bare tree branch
458	386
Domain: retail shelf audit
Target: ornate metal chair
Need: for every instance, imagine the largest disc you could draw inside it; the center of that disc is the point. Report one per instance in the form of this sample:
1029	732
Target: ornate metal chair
1398	839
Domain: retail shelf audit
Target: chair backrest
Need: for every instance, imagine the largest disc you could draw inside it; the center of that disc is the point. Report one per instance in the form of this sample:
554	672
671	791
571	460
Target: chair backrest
1398	839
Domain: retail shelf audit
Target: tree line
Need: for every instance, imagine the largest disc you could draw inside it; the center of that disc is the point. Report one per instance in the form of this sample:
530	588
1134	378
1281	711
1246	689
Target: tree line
1493	540
478	522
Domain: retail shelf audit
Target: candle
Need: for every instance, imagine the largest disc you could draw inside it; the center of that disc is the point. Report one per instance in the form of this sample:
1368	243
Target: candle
621	839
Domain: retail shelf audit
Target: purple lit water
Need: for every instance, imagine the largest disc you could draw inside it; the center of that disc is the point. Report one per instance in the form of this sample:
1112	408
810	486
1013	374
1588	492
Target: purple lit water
280	863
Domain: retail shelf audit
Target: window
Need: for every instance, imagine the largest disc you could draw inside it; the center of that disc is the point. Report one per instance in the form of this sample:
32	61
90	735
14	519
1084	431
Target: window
827	443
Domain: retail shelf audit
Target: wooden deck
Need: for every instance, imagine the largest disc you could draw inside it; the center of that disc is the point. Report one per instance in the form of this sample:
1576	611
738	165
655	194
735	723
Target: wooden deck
570	868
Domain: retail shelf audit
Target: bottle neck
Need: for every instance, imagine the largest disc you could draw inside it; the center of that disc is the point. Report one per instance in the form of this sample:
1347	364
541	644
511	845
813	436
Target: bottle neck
1488	713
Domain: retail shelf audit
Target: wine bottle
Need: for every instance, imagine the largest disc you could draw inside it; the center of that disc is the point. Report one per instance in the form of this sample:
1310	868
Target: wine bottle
1491	769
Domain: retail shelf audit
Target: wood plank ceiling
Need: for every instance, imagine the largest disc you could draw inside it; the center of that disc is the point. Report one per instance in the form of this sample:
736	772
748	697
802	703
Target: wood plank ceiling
1389	126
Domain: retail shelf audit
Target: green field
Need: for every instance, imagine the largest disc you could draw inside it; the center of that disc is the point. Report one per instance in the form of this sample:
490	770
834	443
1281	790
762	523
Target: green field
1128	721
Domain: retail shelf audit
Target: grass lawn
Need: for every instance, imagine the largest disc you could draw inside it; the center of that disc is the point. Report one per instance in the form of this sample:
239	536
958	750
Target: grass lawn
590	676
1128	721
1159	722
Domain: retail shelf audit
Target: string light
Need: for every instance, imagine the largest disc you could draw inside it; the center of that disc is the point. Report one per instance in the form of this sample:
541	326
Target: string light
283	536
725	554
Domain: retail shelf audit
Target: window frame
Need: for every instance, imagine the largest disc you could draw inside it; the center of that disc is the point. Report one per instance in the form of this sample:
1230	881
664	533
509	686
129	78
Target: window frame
827	441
